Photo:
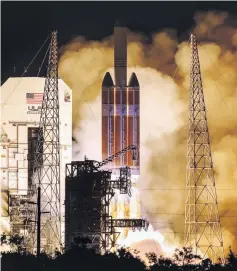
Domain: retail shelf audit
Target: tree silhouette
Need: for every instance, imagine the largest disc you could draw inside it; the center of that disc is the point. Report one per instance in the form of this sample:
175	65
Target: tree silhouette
206	264
160	263
232	260
80	257
185	256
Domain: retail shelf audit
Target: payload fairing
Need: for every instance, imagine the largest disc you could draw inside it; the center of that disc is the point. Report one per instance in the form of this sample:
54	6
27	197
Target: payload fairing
120	108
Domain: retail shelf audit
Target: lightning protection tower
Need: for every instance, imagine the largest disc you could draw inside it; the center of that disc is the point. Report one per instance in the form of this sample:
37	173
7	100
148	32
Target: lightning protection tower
47	157
202	220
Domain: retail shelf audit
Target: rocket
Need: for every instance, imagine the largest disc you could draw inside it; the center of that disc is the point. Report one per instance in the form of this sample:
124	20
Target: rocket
121	107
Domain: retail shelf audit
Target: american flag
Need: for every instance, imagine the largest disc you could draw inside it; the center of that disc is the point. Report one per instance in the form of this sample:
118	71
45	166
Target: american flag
34	98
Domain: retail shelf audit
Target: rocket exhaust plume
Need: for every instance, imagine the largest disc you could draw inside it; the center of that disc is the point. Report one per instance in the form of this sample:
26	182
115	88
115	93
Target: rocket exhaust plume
164	115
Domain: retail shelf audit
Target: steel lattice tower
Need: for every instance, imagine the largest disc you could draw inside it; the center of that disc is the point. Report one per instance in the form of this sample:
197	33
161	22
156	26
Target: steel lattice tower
202	220
47	156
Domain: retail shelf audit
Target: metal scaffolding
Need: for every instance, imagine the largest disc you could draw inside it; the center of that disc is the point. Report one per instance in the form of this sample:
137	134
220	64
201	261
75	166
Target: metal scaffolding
202	220
47	162
88	213
18	214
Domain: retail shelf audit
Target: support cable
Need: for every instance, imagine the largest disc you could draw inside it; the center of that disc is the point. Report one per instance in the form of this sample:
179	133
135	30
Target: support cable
24	73
43	60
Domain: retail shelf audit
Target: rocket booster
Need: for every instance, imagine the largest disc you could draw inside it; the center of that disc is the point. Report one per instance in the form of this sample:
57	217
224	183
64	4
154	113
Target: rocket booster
120	107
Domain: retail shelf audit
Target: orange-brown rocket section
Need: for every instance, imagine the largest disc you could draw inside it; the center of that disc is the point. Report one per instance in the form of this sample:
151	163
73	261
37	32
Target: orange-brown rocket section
120	107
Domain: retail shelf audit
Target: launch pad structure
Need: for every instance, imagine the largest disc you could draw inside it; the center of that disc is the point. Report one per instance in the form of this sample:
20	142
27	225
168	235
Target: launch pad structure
46	170
89	192
202	220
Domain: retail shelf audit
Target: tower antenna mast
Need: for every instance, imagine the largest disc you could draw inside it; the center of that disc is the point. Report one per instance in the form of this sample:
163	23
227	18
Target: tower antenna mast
47	156
202	220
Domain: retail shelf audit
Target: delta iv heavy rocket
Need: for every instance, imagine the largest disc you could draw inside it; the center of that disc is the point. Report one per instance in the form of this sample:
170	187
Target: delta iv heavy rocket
120	108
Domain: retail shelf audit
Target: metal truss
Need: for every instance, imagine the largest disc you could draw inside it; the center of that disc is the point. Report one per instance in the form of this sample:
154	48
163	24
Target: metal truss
20	211
99	226
202	220
132	148
130	223
123	183
47	160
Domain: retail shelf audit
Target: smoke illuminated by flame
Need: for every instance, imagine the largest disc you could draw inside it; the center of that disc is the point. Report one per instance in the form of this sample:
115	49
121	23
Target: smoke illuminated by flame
164	119
137	237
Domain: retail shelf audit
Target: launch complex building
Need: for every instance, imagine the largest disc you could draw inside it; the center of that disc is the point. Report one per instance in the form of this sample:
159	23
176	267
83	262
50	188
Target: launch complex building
21	100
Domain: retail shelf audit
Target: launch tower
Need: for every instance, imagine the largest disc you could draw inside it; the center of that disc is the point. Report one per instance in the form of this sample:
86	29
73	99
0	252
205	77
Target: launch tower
202	220
47	158
89	192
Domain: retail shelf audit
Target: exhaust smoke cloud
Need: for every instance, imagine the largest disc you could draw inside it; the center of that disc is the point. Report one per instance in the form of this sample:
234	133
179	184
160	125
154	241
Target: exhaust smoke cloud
164	115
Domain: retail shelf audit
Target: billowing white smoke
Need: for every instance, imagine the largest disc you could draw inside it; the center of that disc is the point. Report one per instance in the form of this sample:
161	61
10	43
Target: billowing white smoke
164	114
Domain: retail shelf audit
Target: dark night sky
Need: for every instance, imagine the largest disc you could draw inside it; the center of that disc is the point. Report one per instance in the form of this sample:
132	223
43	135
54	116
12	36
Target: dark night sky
25	25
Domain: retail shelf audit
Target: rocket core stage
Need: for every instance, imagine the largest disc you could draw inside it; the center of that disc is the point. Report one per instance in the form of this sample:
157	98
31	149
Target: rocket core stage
120	108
